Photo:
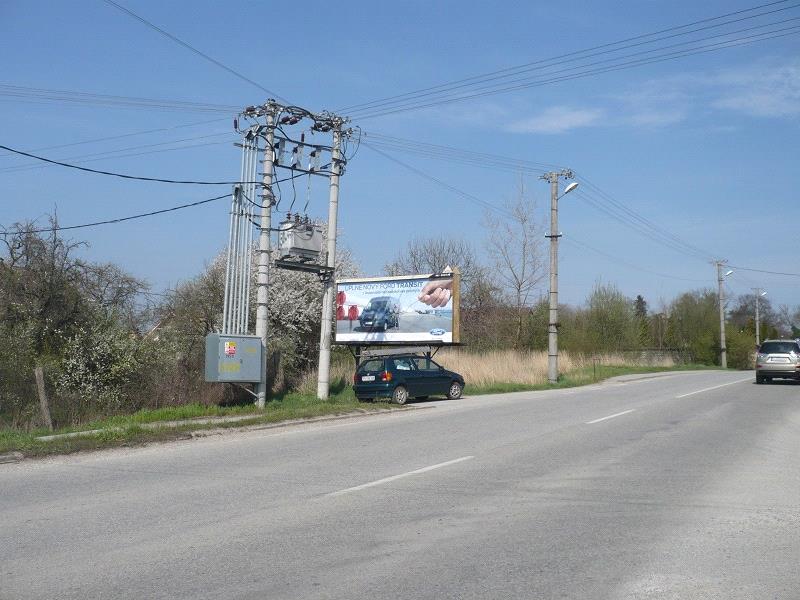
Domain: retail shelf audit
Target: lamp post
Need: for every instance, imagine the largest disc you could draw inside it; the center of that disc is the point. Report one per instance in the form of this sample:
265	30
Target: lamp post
552	329
759	293
723	351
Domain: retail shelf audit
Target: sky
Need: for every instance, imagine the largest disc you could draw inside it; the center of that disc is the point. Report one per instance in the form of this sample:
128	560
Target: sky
704	147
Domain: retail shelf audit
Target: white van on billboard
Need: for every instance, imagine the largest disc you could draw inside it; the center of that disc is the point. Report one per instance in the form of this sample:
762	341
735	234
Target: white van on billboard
397	310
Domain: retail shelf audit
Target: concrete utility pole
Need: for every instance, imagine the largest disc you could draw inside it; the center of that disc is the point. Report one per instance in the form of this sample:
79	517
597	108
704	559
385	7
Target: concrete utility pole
324	368
759	293
262	282
723	351
552	328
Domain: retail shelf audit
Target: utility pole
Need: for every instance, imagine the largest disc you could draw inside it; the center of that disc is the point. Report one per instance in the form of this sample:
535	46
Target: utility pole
552	327
723	352
265	227
324	367
758	293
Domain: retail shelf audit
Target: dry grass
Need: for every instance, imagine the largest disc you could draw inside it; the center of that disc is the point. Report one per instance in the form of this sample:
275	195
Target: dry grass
504	366
530	368
340	371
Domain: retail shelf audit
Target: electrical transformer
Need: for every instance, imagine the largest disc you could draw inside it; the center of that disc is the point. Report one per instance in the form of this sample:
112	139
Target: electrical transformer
300	239
233	358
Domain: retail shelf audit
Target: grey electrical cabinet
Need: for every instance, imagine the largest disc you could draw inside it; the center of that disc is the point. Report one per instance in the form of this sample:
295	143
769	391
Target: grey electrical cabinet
233	358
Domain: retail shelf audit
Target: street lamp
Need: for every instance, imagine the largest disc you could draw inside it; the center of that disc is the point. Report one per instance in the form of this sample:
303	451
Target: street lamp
723	351
552	328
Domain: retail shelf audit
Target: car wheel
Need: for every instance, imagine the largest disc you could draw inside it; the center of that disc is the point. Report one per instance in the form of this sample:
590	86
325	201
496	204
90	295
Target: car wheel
400	395
759	379
455	390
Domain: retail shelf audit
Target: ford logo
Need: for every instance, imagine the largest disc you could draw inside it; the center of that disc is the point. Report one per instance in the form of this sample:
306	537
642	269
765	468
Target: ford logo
437	331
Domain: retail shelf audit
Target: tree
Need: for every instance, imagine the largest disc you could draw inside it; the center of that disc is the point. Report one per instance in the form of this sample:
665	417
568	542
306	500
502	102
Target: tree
434	255
515	249
49	298
643	323
612	322
694	325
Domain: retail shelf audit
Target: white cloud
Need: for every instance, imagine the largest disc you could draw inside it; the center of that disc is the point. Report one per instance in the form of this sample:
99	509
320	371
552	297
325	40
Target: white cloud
762	91
653	104
558	119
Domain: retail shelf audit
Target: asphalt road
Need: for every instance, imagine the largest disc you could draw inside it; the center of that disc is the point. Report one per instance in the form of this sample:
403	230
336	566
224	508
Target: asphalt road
677	486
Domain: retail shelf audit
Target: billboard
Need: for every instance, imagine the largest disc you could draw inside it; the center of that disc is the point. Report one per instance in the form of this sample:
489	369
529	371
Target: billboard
398	310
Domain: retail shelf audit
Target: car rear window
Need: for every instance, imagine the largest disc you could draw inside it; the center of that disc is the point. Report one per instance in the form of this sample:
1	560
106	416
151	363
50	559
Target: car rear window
371	366
779	348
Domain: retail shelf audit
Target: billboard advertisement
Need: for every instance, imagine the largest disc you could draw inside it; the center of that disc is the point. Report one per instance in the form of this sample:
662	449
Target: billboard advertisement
398	310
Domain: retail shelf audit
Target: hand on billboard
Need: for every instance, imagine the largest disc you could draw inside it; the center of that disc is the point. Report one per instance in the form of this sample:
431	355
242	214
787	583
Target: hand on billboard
436	293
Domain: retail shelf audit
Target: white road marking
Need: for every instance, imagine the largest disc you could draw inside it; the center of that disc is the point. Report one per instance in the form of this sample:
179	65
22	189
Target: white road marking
714	387
402	475
619	414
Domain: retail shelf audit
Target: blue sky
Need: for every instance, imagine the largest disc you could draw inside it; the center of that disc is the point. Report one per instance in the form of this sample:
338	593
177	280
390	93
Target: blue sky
705	146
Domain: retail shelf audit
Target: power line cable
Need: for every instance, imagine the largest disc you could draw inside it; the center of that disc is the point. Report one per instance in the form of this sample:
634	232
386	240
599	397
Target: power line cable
88	98
526	66
764	271
608	206
119	220
575	242
502	211
122	175
438	181
120	136
622	66
110	153
690	248
6	232
191	48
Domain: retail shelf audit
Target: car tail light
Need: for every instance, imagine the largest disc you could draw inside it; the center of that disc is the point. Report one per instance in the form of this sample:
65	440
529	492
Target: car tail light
355	377
386	376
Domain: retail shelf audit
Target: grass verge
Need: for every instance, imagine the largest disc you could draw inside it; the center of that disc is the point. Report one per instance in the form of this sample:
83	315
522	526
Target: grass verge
141	427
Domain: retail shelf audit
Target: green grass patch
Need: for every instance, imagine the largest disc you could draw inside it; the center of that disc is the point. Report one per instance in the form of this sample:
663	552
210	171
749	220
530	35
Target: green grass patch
140	427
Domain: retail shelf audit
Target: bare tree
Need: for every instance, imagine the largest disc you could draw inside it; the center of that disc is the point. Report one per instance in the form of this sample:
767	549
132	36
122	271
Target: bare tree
515	249
433	255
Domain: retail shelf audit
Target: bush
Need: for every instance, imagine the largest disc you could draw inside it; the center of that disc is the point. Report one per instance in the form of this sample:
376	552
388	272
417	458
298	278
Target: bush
99	363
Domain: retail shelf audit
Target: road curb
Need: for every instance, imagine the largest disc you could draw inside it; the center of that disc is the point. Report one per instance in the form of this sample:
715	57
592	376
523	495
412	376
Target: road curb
200	433
11	457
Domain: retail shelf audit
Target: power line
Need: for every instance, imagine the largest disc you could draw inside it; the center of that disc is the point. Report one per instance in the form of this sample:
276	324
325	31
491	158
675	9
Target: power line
764	36
504	212
764	271
119	220
438	181
191	48
511	71
608	205
121	175
572	241
139	216
88	98
110	153
624	211
121	135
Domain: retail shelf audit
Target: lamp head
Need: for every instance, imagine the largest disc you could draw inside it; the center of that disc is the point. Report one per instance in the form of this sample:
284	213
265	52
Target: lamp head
570	187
